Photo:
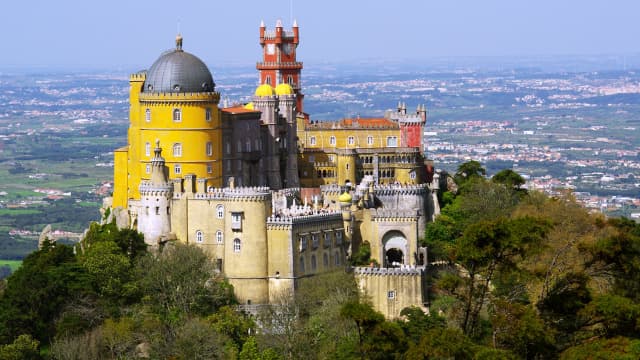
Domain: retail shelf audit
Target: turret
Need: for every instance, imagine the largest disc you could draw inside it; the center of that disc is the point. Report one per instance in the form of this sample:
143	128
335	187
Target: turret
154	220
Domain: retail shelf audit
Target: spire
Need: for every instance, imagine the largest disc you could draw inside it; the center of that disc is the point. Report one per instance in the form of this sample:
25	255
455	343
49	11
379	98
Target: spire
295	23
178	42
261	23
158	175
279	23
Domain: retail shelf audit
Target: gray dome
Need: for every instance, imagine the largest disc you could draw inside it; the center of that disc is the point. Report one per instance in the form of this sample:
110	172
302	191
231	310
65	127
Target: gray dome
177	71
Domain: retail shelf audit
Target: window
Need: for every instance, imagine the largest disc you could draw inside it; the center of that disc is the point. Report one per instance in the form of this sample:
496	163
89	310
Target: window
290	80
312	140
392	141
177	169
268	79
209	168
339	238
148	168
312	158
220	211
313	263
257	143
177	149
207	114
177	115
157	210
337	257
325	260
391	294
247	145
219	237
314	240
332	158
302	264
351	140
199	236
236	221
412	175
219	264
303	243
147	115
332	140
147	149
228	146
327	239
236	245
369	140
209	148
239	146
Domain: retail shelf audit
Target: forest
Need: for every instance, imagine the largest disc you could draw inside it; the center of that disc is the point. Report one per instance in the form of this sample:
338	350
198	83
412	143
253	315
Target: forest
514	275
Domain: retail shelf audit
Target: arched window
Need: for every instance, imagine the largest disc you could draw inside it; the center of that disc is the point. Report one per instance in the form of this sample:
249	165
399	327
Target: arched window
290	80
177	169
209	148
332	140
302	265
207	114
199	236
268	80
325	260
313	263
147	149
236	245
147	115
177	149
220	211
177	115
337	258
219	237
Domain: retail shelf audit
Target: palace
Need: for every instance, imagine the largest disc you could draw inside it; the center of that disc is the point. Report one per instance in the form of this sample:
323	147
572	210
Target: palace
271	195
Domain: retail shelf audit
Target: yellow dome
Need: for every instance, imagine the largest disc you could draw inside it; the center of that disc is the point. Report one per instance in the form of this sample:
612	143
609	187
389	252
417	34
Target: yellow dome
284	89
249	106
264	90
345	197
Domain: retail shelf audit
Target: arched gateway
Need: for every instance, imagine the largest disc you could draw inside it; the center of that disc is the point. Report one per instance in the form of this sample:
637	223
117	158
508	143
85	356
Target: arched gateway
395	249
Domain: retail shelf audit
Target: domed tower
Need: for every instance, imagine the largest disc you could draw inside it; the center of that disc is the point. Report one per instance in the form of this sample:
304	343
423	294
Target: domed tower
174	102
266	101
287	105
154	216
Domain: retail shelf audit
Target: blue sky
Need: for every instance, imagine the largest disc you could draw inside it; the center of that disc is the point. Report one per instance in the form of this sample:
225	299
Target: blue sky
132	33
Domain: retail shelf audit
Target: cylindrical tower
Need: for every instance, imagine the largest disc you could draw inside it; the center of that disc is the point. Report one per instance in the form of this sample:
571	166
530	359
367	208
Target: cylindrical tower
154	219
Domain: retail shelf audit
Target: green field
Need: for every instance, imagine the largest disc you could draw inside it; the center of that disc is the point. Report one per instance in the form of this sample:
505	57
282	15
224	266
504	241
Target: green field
13	264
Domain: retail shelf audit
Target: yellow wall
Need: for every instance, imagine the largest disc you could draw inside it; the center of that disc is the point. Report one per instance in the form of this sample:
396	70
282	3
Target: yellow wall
120	175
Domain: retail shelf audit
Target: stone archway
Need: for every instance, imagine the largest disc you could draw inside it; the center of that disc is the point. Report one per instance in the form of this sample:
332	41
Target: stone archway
395	249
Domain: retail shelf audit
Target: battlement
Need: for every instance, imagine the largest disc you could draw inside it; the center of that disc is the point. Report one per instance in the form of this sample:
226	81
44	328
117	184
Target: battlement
210	96
139	76
403	270
400	189
295	219
394	214
149	188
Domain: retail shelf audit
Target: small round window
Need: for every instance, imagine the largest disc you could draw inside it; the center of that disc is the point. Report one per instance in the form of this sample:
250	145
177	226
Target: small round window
176	87
150	87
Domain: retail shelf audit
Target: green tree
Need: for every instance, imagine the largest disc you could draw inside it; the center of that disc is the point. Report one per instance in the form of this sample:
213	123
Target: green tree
111	270
182	281
468	171
509	178
24	347
486	248
38	291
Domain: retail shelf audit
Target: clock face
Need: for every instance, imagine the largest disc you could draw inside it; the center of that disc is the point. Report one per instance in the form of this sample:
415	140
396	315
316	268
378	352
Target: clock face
271	49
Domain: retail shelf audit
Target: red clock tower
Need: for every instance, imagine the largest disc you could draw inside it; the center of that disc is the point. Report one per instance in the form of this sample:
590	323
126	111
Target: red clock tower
279	63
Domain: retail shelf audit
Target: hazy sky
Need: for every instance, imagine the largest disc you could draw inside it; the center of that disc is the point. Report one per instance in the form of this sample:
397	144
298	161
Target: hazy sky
132	33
